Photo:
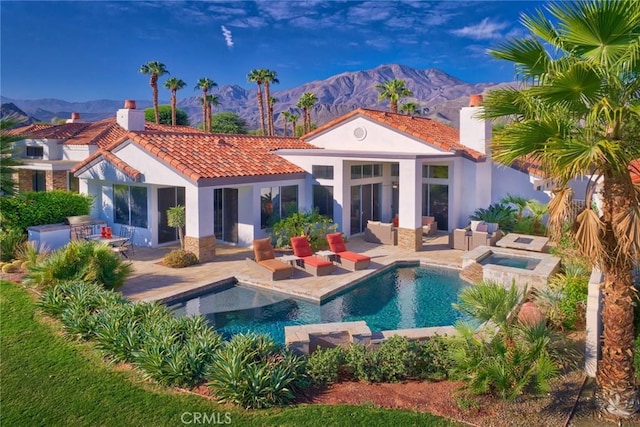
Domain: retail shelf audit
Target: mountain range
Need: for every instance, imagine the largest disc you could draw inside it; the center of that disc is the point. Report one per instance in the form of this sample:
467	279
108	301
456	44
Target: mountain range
439	95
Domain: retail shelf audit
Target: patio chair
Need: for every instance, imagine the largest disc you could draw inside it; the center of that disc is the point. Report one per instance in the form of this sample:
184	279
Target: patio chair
429	225
310	263
350	260
484	238
460	238
125	247
266	263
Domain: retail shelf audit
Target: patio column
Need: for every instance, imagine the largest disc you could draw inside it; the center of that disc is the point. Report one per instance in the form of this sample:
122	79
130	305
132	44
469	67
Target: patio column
199	237
410	205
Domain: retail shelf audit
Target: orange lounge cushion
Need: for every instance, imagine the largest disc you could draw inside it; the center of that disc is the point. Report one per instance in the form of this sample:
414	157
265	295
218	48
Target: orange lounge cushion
275	265
301	247
315	261
262	249
336	242
353	257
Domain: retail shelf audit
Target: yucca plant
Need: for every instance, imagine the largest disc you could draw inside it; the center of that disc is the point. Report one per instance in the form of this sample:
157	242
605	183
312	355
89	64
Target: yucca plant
10	240
83	261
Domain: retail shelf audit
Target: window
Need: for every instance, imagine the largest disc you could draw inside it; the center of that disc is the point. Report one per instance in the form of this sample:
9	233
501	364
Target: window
366	171
322	172
323	199
276	203
73	183
39	181
395	169
435	171
35	152
130	205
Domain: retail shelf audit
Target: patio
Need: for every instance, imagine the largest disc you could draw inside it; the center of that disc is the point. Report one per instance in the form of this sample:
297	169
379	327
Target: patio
153	281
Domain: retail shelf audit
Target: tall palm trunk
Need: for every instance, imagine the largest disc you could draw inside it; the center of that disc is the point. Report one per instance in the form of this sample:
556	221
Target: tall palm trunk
173	106
394	107
269	118
305	125
204	110
294	124
153	82
616	393
286	122
261	109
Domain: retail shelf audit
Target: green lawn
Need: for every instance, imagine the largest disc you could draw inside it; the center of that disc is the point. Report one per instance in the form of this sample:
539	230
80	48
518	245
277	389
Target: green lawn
46	379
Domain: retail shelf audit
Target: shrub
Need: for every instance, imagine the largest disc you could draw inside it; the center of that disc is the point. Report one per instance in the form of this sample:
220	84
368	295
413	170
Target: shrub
10	240
80	260
504	215
395	360
10	268
636	355
434	362
180	258
324	366
503	356
43	207
310	224
253	372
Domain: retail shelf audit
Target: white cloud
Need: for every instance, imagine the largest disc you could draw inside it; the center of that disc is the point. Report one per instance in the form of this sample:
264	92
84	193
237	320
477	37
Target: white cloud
227	36
485	30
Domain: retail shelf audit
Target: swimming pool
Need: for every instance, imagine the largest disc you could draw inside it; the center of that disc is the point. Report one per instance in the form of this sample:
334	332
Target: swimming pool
523	262
399	298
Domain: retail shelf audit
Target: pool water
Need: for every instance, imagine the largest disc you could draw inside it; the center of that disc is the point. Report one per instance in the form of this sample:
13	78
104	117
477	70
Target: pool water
511	261
403	297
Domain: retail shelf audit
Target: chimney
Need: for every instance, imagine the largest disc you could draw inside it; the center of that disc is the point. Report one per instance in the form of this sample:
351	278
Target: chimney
75	118
129	118
475	132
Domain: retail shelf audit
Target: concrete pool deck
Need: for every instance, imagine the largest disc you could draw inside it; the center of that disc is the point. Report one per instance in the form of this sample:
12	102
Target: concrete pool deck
152	281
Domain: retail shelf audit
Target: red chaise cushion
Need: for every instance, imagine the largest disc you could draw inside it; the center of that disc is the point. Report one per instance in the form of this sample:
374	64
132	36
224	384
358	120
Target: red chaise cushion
301	247
336	242
353	256
316	261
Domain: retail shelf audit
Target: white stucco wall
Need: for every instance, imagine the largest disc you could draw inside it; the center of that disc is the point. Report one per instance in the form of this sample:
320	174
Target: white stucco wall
77	152
378	139
507	180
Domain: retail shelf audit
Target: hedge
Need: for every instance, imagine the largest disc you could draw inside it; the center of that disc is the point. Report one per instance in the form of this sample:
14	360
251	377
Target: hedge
38	208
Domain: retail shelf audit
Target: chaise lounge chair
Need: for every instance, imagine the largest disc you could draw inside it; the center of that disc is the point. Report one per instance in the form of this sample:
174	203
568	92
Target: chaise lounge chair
309	262
350	260
266	262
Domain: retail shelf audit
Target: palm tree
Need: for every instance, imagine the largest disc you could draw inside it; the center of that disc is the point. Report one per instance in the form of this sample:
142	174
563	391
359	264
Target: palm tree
393	90
285	118
519	202
174	84
154	69
205	84
306	102
270	101
7	141
293	118
258	77
538	211
410	108
573	116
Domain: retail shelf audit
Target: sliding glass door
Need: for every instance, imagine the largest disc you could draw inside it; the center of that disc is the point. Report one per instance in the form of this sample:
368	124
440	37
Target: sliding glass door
225	214
365	206
168	198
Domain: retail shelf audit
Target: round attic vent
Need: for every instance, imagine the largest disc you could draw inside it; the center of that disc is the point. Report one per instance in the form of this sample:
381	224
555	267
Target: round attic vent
360	133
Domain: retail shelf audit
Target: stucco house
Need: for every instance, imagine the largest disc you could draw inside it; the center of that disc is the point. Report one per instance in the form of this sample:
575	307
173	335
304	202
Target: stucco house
364	165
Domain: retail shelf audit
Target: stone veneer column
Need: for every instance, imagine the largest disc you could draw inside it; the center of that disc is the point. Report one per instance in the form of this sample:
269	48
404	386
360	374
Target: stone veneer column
203	247
25	180
56	180
410	239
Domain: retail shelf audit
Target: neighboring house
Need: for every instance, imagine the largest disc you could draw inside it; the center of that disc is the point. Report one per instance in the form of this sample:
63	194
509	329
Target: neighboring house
49	151
364	165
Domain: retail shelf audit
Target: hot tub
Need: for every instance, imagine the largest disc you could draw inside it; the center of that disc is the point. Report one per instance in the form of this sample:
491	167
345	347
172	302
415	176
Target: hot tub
531	269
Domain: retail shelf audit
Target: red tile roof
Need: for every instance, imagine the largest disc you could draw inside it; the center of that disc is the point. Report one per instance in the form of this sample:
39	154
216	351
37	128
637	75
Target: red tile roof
28	130
198	155
426	130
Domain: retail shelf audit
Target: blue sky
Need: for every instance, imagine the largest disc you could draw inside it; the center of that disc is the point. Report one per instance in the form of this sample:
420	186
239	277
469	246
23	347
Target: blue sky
79	51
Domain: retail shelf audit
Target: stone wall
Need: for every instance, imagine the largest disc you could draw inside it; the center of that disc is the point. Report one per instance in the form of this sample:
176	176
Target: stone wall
410	239
56	180
203	247
25	180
